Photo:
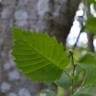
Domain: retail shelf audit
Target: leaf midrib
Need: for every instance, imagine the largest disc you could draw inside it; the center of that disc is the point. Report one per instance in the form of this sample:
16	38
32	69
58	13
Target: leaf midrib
38	52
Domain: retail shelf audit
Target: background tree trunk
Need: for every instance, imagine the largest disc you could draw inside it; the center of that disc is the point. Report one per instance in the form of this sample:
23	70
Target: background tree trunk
90	41
52	16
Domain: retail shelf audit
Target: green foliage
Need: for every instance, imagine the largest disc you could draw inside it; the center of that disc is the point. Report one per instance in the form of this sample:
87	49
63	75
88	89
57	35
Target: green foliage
88	62
38	55
66	79
91	1
42	58
91	24
94	5
87	91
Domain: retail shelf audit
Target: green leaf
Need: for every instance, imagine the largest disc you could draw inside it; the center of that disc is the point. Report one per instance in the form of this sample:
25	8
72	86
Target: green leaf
88	62
38	55
91	24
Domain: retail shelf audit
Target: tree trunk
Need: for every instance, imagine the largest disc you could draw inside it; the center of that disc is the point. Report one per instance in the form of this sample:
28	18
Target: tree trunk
52	16
90	41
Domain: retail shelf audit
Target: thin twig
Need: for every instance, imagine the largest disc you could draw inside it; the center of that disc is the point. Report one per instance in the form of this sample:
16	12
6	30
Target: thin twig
76	41
78	37
73	72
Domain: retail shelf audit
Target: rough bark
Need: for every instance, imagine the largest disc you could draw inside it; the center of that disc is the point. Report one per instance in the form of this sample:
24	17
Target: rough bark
61	23
57	18
52	16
